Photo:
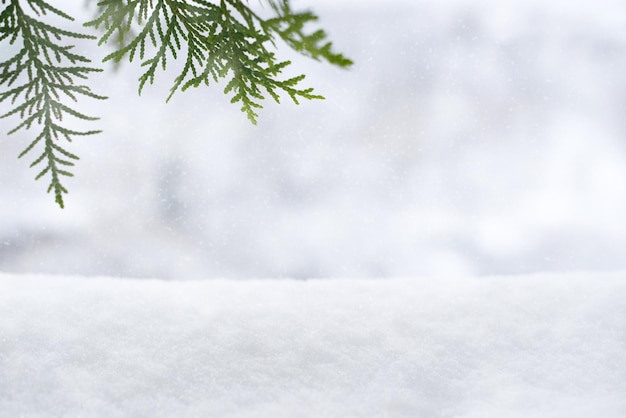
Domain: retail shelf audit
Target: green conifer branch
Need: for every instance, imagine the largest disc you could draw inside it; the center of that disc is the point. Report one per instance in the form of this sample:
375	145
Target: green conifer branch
48	70
223	39
217	39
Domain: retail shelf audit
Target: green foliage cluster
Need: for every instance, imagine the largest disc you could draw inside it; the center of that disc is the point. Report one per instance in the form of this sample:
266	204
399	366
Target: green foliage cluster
220	39
39	76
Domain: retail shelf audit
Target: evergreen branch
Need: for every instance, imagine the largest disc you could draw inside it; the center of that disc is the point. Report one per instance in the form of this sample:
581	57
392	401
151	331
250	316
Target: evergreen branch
223	39
115	17
216	39
40	7
39	65
290	28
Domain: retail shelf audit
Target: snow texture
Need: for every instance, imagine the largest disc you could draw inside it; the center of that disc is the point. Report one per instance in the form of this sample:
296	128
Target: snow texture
526	346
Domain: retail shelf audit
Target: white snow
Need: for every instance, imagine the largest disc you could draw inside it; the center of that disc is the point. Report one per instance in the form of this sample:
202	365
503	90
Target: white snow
517	346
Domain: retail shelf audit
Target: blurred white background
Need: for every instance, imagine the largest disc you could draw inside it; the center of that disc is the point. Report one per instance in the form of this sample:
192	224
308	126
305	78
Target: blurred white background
470	138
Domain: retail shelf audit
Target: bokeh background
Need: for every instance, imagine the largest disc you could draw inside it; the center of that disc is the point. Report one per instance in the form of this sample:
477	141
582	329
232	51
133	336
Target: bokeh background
470	138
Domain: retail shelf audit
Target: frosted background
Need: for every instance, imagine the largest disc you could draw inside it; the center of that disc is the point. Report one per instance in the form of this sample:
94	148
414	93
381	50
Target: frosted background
473	138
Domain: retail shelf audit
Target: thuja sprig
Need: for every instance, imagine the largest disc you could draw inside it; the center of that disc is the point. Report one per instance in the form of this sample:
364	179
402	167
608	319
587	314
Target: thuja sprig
224	39
290	27
215	39
39	79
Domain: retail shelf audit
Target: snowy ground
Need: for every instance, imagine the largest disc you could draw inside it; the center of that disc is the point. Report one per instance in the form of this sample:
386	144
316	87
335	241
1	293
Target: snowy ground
526	346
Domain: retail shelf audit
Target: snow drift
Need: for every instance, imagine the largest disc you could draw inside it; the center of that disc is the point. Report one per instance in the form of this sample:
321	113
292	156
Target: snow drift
532	346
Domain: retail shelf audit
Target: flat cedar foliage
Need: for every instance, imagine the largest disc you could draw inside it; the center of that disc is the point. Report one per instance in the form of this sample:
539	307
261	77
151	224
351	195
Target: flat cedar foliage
44	78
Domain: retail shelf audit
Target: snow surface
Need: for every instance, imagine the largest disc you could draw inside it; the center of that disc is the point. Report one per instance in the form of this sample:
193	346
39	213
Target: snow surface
526	346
